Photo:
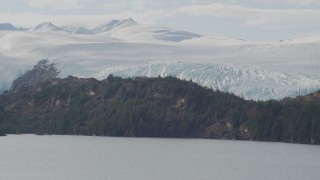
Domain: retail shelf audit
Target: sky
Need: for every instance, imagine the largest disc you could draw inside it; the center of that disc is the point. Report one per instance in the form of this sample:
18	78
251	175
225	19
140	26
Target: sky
244	19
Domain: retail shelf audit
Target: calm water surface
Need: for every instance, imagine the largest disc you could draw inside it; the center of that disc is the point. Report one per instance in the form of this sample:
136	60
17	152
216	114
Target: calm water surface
31	157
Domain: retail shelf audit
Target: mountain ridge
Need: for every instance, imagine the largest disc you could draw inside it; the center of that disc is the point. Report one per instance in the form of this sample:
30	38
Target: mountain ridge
113	24
46	26
7	26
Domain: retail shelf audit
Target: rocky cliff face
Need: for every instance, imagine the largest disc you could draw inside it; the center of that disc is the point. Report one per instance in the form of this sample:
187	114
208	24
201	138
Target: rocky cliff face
41	72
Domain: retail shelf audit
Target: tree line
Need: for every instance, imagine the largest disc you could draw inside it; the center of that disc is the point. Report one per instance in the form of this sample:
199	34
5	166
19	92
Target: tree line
155	107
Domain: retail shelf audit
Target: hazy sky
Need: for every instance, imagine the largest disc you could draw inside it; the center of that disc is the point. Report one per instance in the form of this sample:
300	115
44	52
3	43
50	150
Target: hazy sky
246	19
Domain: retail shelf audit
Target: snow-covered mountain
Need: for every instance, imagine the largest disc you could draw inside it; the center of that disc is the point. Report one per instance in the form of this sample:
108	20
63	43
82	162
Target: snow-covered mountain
7	27
46	27
130	30
154	34
81	30
253	70
114	24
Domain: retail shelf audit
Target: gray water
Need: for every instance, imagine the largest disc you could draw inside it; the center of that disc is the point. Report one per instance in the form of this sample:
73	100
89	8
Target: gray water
31	157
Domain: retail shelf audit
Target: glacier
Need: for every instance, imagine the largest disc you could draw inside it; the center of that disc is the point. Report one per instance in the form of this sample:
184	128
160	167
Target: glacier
253	70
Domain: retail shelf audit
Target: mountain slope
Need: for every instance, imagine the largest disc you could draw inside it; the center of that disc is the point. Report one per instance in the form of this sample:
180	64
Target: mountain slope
142	33
81	30
46	27
113	25
7	27
155	107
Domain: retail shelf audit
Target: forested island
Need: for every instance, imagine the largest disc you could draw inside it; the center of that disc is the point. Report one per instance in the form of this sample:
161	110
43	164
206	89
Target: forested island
150	107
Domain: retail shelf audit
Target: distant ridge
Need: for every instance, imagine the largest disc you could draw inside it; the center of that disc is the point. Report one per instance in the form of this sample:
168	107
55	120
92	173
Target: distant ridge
114	24
82	30
46	26
7	27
